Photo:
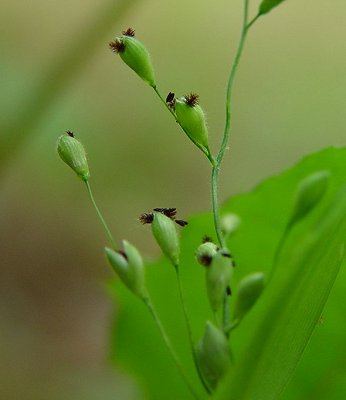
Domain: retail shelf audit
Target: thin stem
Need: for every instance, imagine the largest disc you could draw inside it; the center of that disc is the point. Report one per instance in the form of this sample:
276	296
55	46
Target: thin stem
226	314
183	305
278	250
226	135
229	328
204	150
189	330
227	130
169	346
215	204
163	101
248	26
230	83
102	220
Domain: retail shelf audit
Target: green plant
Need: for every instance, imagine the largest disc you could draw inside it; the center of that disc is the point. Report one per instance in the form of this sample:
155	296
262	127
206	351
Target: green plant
308	255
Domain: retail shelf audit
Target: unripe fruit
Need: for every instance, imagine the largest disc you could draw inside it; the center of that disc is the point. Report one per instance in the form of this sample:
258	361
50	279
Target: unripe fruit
135	55
128	265
192	119
72	152
166	235
248	292
309	193
205	253
230	223
218	276
213	355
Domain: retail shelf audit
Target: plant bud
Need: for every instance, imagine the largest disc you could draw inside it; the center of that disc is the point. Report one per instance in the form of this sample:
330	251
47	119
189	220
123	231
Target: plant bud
135	55
213	355
249	290
230	223
205	253
310	191
192	119
218	275
72	152
166	235
128	265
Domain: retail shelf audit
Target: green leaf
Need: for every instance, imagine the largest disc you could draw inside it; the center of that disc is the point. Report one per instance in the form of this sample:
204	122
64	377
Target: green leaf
268	5
291	307
264	212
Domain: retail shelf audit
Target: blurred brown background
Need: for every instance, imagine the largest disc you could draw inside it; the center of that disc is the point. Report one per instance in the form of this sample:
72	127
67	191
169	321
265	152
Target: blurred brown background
57	74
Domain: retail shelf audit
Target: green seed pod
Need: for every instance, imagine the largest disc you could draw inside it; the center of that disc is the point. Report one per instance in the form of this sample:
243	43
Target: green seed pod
248	292
218	276
128	265
166	235
309	193
72	152
135	55
205	253
213	355
230	223
192	119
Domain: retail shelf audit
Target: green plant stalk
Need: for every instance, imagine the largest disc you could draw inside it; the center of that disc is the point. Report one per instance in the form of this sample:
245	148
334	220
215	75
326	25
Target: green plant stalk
100	216
226	135
183	305
278	250
151	308
225	313
188	327
227	129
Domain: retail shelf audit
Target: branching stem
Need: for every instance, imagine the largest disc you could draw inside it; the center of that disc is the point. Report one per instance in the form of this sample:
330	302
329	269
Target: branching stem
227	129
225	140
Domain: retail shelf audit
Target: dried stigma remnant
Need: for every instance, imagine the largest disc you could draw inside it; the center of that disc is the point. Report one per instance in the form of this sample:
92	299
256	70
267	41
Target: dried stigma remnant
181	222
207	239
117	46
147	218
192	99
168	212
70	133
170	100
129	32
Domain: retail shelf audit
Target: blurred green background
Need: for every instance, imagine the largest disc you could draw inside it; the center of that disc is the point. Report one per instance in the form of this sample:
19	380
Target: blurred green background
57	74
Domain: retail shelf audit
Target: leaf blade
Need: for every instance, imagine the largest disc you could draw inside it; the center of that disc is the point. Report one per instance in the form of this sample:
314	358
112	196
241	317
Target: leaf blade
268	5
277	345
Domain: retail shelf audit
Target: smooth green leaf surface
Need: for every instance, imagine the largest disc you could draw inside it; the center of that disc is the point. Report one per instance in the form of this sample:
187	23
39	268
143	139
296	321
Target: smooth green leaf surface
264	213
268	5
291	308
